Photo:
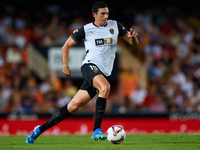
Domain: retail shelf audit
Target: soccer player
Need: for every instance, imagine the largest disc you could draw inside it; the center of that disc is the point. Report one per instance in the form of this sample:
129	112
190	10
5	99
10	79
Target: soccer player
100	39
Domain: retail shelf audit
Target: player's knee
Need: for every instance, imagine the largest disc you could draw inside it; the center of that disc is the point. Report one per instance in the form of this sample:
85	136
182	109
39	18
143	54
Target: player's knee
105	90
74	106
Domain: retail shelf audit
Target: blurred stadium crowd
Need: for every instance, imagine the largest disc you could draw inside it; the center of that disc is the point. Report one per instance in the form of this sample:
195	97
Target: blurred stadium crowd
169	50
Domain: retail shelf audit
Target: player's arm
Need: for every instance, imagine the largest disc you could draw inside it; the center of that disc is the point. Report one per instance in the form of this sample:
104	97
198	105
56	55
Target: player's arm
131	37
65	54
76	36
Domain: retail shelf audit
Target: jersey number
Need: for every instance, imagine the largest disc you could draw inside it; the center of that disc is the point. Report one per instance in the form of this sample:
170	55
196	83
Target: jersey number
92	67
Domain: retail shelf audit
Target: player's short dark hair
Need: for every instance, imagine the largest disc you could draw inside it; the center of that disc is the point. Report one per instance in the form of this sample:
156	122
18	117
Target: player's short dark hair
97	5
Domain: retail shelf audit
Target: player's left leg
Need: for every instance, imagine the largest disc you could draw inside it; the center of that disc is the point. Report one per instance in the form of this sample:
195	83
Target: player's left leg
95	80
100	83
81	98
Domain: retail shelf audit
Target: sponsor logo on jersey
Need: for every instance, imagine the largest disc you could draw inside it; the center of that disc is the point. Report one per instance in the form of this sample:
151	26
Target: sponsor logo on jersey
99	41
111	30
108	41
103	41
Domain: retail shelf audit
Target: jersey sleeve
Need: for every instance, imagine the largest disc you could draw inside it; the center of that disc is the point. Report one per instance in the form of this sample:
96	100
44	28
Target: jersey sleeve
78	34
122	29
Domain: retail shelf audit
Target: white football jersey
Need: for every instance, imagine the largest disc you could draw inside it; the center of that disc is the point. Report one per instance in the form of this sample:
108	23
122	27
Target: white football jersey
100	43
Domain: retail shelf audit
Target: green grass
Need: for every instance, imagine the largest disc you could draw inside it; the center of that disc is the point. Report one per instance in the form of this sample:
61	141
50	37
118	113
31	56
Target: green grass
83	142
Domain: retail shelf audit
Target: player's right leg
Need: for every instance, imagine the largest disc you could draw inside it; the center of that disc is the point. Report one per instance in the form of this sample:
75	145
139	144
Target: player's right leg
32	137
81	98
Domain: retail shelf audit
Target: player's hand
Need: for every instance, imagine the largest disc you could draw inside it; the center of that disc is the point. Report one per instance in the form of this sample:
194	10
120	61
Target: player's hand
67	71
132	33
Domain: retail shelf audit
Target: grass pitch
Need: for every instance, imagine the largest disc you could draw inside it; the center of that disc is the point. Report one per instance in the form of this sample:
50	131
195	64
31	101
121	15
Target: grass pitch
83	142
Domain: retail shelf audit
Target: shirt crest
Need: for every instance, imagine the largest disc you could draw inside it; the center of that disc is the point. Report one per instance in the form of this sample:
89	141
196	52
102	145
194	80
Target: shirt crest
111	30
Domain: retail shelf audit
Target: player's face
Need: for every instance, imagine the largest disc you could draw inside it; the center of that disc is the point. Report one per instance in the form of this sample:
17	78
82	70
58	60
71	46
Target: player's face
101	17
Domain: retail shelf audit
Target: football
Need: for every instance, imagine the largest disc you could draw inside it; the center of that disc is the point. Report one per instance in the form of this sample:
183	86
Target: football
116	134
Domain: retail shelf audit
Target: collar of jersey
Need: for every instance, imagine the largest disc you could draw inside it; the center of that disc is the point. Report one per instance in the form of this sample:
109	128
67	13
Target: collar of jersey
97	26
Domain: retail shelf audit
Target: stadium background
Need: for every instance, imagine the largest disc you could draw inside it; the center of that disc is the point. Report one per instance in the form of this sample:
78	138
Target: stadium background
156	82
